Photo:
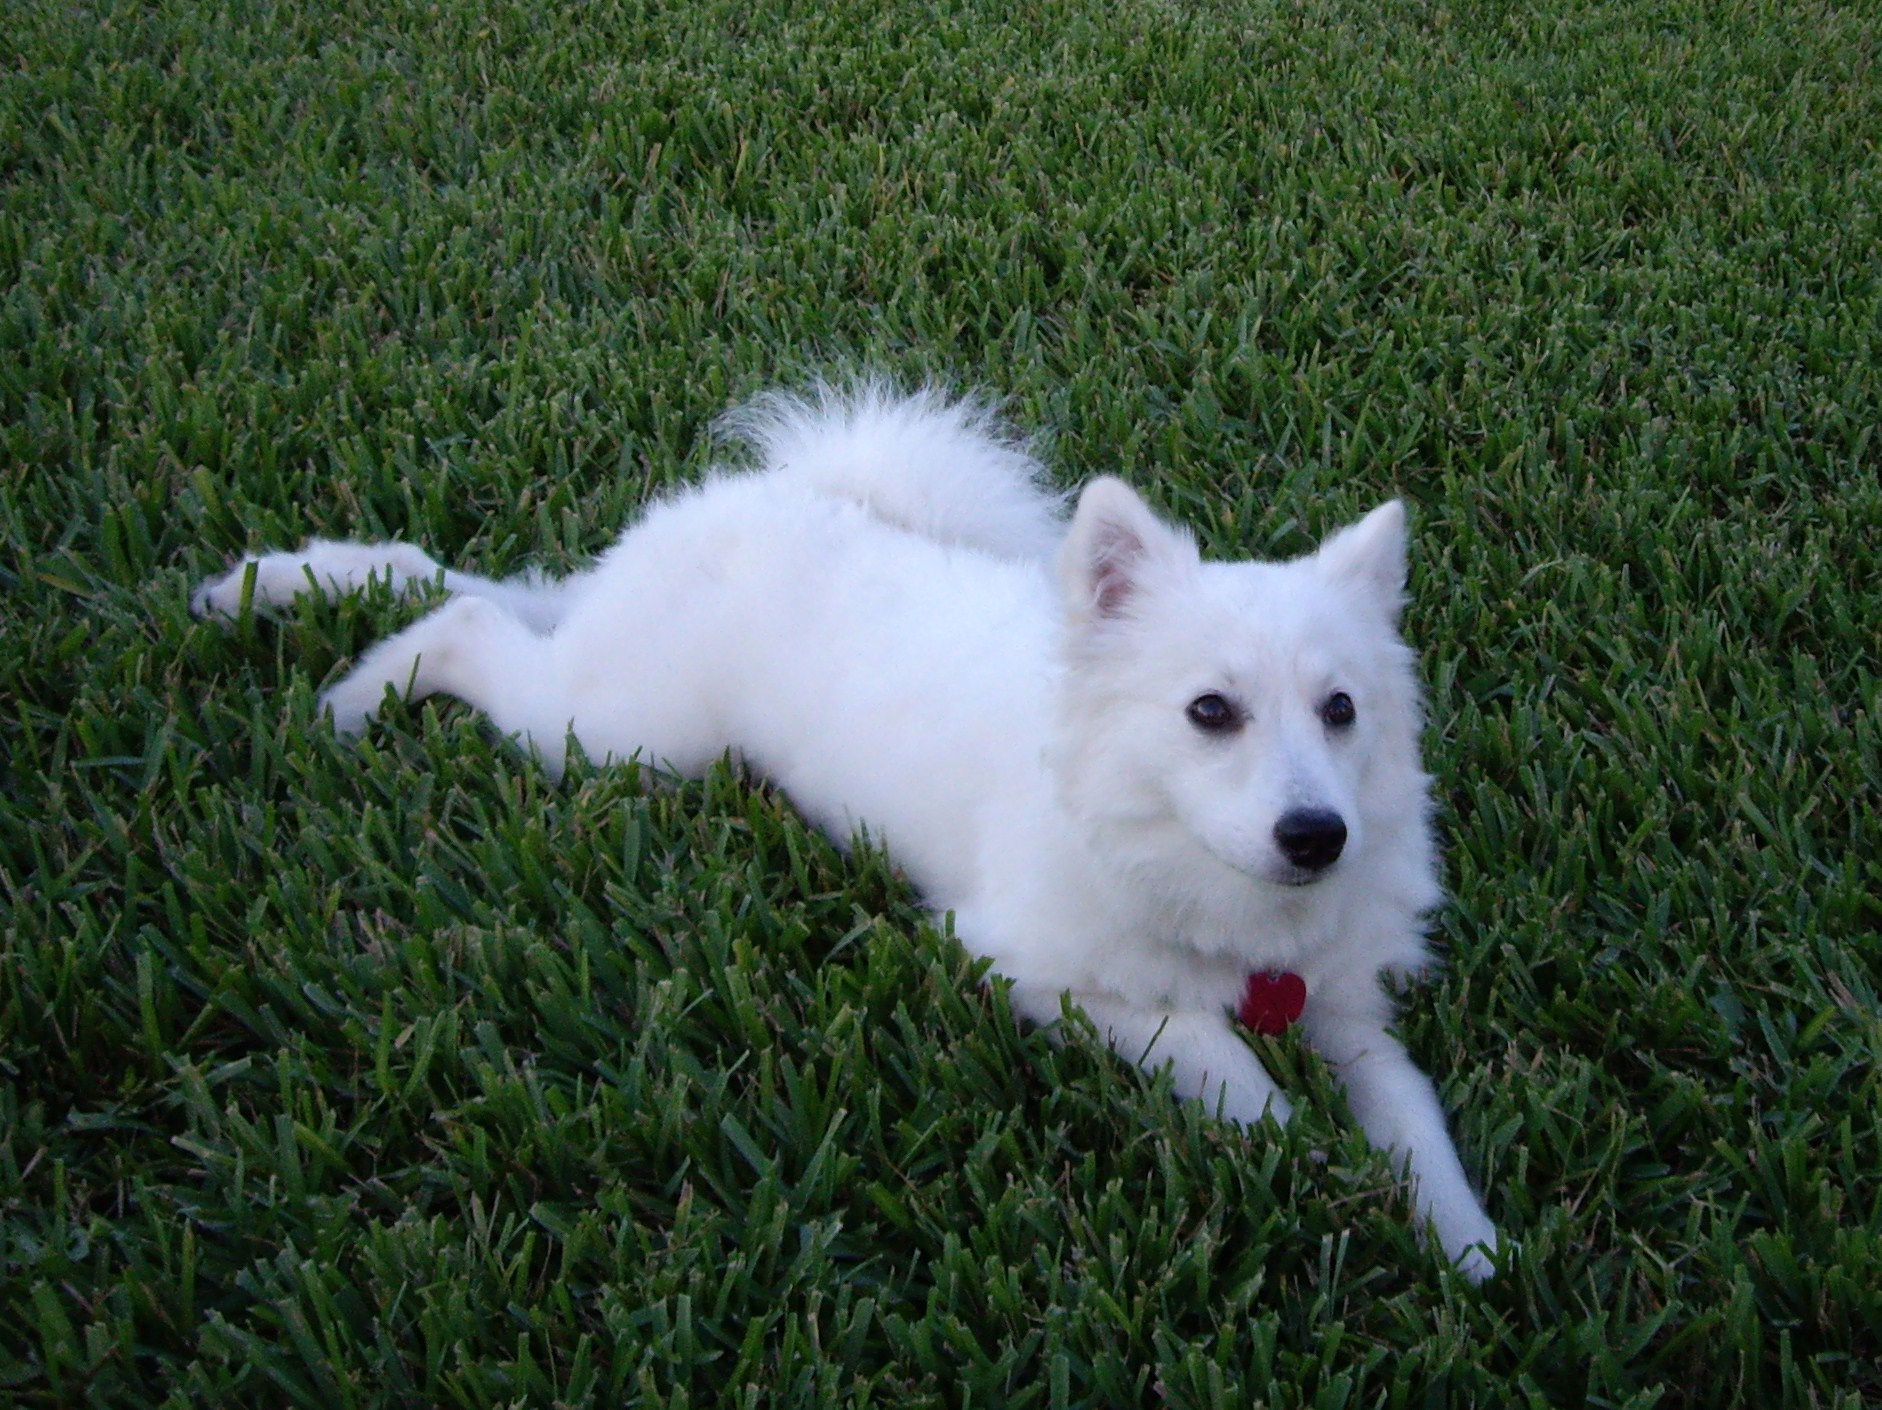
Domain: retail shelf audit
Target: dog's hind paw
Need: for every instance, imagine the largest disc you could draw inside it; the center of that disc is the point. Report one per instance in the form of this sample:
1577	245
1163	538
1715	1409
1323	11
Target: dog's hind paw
321	566
351	704
223	597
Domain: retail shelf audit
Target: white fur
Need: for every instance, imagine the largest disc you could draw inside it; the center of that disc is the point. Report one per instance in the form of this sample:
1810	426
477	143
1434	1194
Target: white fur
891	620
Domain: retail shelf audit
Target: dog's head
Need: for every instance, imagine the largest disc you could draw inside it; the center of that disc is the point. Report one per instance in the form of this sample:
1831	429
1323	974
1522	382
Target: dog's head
1263	716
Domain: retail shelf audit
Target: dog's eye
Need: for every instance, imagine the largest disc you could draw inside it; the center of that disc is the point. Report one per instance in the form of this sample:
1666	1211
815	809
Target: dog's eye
1214	714
1337	710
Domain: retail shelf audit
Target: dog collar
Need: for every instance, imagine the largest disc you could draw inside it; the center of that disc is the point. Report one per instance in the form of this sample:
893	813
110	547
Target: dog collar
1272	1000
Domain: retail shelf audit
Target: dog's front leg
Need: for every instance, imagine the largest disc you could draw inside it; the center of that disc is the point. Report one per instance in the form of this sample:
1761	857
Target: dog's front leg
1208	1060
1398	1109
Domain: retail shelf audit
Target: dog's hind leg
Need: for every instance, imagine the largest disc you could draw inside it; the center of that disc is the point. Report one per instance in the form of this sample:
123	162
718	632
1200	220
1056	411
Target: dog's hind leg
318	566
471	648
335	566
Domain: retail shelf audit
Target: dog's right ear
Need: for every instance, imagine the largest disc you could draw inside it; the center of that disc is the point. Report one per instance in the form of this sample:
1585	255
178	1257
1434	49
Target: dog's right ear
1115	543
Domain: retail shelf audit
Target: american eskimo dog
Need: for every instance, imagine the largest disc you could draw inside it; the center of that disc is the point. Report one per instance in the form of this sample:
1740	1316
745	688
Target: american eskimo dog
1187	794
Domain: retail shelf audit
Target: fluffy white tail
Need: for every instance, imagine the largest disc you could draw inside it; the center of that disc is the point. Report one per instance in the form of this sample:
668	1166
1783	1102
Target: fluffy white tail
940	467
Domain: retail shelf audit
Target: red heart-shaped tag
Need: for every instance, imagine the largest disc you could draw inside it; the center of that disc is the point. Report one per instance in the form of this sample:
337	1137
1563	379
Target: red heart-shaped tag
1272	1000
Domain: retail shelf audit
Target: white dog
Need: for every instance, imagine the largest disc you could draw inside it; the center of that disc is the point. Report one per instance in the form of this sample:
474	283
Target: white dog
1180	792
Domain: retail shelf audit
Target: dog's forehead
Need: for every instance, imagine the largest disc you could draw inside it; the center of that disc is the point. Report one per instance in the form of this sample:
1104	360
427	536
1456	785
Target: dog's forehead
1262	617
1270	601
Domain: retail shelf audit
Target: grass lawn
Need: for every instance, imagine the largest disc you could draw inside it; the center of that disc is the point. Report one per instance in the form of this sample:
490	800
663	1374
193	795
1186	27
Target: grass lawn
400	1075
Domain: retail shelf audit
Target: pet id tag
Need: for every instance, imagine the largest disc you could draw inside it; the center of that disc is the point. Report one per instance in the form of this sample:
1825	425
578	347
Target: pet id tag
1272	1000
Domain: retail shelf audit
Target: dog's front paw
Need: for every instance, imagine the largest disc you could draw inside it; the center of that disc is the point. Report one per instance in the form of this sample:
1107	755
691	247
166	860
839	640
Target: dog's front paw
1482	1259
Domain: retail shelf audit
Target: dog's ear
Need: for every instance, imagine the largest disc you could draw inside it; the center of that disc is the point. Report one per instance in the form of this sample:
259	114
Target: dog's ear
1114	544
1370	555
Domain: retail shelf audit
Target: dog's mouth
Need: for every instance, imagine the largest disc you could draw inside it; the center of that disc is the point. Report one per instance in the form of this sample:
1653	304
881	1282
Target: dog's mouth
1270	871
1299	878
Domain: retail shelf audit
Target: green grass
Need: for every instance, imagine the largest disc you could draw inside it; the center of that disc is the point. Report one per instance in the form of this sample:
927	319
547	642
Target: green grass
399	1075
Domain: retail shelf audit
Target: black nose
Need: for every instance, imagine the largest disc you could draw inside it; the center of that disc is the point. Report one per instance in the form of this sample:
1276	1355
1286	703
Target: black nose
1311	838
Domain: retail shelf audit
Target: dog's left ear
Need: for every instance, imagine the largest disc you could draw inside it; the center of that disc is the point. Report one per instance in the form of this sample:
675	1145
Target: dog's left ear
1370	555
